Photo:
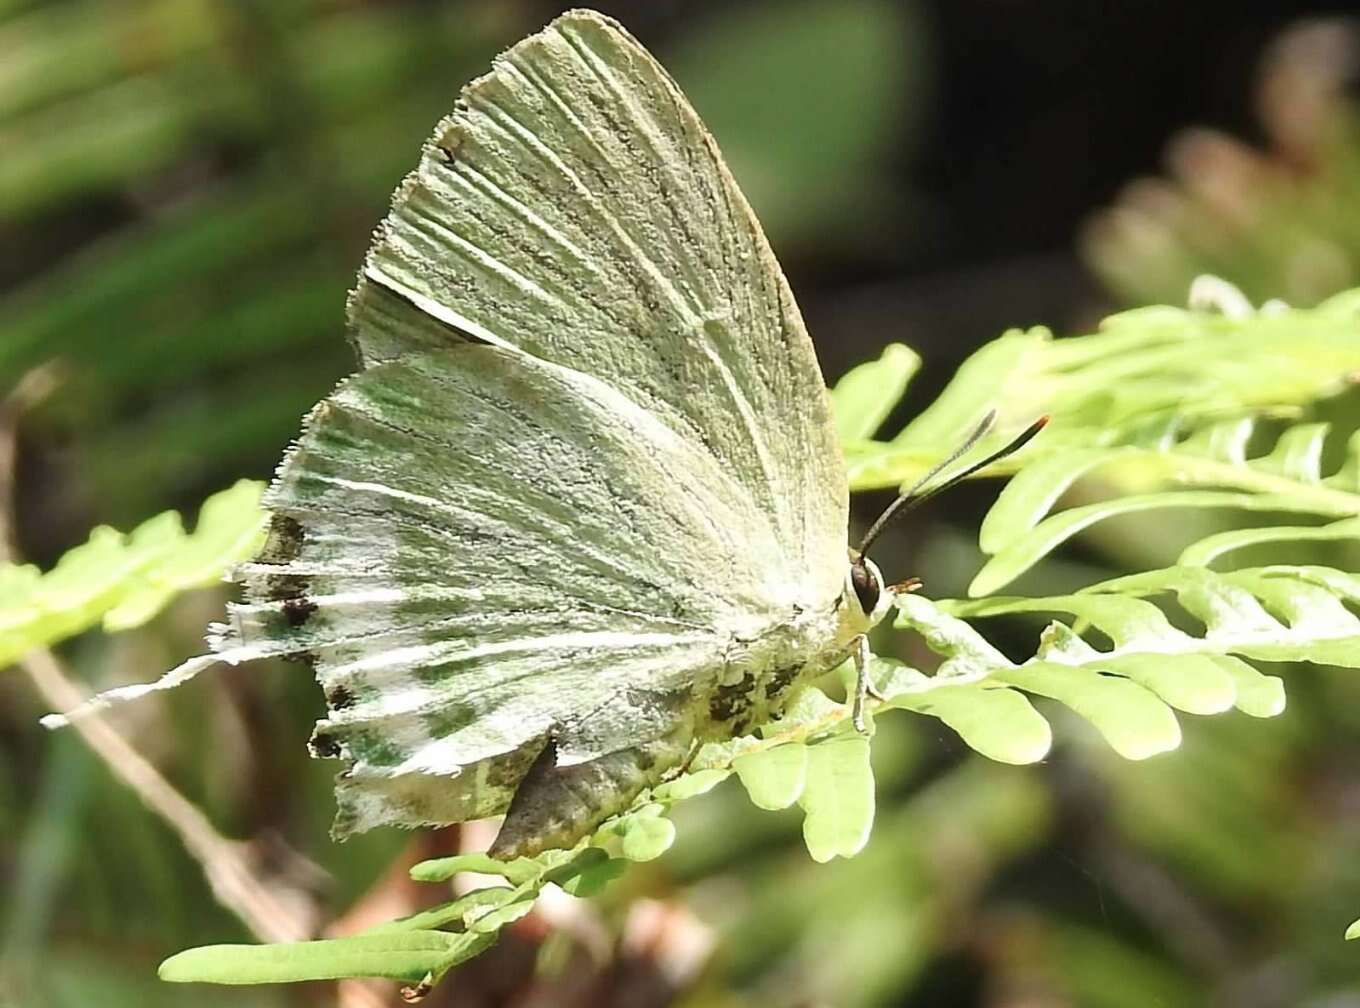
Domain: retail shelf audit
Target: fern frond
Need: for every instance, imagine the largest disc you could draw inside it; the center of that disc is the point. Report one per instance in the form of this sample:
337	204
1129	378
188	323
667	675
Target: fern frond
1210	469
867	393
1142	376
123	579
424	946
1129	688
1127	691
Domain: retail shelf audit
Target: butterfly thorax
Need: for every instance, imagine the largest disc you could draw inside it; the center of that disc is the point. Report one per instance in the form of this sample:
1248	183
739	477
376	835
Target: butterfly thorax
763	672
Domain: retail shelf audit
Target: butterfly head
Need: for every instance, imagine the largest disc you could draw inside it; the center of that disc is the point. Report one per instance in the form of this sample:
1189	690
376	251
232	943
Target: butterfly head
867	596
865	593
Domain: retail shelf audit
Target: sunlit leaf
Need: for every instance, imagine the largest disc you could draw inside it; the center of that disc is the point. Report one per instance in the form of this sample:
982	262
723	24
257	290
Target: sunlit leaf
689	785
1022	553
1126	690
441	869
866	394
492	921
838	798
774	778
464	909
125	579
646	838
595	877
999	723
409	955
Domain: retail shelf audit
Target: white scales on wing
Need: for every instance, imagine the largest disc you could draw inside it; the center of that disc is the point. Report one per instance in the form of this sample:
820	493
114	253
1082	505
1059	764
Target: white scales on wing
583	508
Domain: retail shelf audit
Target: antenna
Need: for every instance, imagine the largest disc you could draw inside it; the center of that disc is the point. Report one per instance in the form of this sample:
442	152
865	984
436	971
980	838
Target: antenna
913	497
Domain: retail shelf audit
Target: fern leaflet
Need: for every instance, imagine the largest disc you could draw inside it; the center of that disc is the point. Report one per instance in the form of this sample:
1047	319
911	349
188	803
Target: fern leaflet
121	580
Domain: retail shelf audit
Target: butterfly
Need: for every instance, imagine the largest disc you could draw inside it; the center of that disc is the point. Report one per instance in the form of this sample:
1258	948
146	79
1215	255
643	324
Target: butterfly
583	508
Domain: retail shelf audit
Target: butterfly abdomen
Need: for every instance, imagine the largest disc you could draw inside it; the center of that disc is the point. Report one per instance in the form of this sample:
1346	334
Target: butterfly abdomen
555	806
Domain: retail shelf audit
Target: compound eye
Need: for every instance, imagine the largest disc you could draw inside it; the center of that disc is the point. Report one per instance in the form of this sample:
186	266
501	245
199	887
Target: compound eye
867	588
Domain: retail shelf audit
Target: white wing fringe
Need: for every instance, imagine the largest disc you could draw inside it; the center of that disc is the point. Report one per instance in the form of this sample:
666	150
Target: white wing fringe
181	673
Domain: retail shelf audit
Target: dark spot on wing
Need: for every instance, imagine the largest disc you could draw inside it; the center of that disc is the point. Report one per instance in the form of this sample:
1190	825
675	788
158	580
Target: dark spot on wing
297	610
339	698
279	587
729	703
323	746
780	680
284	541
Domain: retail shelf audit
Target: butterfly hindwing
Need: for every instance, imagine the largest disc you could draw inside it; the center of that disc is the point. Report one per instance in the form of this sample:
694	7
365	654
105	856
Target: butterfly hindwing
479	551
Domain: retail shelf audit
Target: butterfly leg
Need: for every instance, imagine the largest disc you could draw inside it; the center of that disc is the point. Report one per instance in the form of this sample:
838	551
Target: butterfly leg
863	687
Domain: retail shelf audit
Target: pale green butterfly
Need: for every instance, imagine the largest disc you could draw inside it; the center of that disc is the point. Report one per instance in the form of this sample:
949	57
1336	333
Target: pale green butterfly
583	509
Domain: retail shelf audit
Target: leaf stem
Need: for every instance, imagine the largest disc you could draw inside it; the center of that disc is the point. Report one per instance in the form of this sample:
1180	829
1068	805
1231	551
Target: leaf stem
1196	470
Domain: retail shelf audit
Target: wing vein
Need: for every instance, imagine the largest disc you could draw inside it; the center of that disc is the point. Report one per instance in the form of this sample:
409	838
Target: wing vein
512	128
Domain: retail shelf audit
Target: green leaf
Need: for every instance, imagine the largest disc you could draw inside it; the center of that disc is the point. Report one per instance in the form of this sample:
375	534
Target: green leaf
1033	491
125	579
1287	478
441	869
997	722
1132	385
1196	684
1258	695
1297	455
572	864
995	369
646	838
1133	721
838	798
865	395
465	909
774	778
1278	613
409	955
689	785
1211	547
1353	932
593	878
492	921
1022	553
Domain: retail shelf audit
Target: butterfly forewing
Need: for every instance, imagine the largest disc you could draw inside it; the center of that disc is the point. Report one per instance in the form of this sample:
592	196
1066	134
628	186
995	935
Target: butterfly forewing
574	207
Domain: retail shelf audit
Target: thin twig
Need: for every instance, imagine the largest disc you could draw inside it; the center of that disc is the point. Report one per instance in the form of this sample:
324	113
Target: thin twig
272	910
271	913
